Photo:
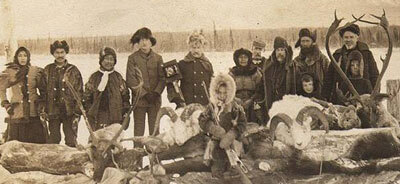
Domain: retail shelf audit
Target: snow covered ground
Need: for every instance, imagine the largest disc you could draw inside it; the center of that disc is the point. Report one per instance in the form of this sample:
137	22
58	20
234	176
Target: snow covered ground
221	61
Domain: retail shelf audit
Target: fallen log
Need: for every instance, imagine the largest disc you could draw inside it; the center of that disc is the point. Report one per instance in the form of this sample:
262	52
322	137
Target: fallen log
50	158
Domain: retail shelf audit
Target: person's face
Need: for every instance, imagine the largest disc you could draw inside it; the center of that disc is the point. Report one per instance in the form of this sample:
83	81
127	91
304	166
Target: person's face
145	44
108	62
222	93
350	39
305	42
257	51
243	60
355	68
22	58
196	49
60	54
308	87
280	54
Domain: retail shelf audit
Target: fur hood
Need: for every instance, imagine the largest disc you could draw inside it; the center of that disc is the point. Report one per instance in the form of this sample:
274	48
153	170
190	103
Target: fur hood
216	82
355	55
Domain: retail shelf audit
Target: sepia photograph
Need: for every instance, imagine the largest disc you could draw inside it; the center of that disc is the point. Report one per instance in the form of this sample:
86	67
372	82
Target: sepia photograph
199	92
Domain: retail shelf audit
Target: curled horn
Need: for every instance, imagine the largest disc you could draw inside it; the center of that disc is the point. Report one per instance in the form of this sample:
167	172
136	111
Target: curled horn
164	111
315	113
280	117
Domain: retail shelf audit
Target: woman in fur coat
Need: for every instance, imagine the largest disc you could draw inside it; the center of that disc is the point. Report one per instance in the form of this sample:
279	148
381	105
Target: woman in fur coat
24	105
247	77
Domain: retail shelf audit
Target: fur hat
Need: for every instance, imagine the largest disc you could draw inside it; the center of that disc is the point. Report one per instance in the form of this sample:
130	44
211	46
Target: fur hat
239	52
352	28
280	42
59	44
216	82
28	54
355	55
306	32
143	33
197	37
259	43
107	51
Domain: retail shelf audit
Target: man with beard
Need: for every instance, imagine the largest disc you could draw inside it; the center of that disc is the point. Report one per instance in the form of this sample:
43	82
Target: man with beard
279	73
257	49
195	69
310	59
350	36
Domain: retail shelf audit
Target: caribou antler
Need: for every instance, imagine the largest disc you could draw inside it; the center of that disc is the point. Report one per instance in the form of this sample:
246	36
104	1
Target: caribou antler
332	29
384	23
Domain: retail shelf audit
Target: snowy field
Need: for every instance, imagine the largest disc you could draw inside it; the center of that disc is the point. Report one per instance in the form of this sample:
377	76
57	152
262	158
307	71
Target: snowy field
221	61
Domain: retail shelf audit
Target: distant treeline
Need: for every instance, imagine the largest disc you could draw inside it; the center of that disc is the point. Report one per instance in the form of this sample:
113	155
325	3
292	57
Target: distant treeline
218	40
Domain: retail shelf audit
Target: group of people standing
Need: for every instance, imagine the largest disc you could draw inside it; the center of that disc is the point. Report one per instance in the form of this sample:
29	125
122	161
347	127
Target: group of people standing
56	95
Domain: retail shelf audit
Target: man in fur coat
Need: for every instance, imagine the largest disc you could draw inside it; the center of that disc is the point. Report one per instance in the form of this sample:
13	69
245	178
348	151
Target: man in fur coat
195	69
310	59
279	74
224	120
106	95
350	36
62	108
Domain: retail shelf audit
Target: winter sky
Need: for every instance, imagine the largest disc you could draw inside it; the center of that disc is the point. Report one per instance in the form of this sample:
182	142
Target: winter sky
41	18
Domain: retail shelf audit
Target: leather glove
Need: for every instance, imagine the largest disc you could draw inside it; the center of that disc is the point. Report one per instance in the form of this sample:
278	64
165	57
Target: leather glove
217	131
227	140
7	105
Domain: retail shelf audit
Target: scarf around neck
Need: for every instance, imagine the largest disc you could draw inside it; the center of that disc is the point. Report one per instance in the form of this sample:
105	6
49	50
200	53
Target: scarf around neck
104	79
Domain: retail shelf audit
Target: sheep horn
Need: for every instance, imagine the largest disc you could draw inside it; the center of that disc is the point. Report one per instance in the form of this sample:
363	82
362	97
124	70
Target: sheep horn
315	113
280	117
164	111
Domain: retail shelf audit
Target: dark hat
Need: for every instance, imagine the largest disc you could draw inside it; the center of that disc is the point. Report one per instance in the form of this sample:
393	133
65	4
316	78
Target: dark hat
107	51
355	55
28	54
59	44
352	28
306	32
259	43
239	52
143	33
280	42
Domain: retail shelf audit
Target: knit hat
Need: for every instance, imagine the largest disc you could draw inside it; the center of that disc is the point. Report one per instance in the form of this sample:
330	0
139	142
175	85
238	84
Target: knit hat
143	33
239	52
107	51
306	32
352	28
197	37
59	44
280	42
259	43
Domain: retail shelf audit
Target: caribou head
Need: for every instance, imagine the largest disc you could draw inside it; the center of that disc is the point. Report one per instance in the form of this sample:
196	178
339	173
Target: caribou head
368	104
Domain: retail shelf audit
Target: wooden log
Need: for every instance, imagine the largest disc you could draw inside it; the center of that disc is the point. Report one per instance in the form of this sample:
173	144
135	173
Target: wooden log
393	103
51	158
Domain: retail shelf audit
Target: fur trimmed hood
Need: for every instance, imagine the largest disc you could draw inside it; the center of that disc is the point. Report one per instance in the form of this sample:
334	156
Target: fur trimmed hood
216	82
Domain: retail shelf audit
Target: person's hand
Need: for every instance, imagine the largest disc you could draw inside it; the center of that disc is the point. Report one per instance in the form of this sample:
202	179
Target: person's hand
75	122
227	140
247	103
7	105
217	131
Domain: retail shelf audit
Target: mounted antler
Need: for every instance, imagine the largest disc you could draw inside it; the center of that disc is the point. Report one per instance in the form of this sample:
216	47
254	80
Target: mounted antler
384	23
331	30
